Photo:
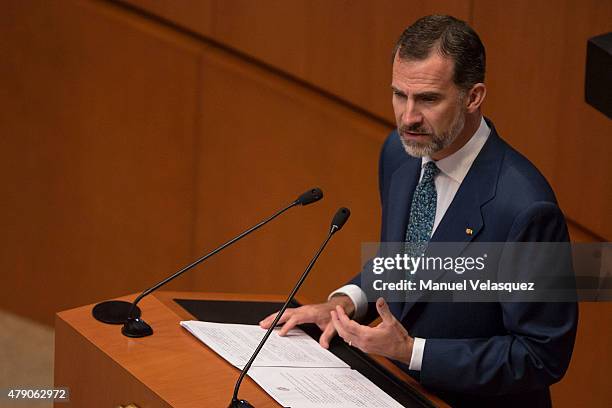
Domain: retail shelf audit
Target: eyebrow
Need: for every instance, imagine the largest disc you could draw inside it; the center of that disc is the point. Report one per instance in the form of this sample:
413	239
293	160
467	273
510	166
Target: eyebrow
396	90
426	94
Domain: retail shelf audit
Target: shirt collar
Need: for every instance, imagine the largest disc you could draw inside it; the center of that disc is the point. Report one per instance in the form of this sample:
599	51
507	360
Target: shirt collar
458	164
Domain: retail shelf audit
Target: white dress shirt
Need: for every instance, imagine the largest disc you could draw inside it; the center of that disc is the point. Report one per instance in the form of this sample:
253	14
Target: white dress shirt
453	170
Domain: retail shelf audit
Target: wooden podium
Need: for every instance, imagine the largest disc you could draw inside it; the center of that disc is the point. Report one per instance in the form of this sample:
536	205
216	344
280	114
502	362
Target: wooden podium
171	368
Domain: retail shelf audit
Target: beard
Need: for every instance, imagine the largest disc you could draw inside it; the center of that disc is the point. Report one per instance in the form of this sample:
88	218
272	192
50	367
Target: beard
437	142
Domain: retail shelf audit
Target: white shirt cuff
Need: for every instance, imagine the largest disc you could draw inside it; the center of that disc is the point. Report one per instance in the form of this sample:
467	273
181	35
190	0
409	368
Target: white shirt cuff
357	295
418	348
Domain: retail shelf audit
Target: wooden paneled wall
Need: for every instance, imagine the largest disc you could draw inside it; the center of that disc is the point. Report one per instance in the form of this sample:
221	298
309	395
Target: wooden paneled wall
536	59
536	63
137	135
98	122
343	47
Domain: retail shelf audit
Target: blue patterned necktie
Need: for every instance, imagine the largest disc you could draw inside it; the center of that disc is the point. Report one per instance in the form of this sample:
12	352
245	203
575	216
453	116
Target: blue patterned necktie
422	212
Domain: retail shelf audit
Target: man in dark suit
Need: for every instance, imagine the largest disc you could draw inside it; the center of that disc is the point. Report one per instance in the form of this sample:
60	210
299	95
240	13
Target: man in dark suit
446	176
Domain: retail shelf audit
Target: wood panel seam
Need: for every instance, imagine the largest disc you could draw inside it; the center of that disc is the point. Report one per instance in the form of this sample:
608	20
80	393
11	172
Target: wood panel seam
196	156
180	29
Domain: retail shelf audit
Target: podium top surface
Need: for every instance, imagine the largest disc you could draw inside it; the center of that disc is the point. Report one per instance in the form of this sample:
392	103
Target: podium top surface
172	363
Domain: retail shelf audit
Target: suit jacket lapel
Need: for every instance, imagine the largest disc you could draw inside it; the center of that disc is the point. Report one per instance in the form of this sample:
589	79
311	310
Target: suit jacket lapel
464	213
403	183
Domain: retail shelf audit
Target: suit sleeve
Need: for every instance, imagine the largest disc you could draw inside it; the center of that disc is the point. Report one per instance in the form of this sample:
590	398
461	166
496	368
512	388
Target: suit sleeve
537	348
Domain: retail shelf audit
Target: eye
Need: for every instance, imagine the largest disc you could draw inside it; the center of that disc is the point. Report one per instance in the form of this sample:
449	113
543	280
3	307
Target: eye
430	98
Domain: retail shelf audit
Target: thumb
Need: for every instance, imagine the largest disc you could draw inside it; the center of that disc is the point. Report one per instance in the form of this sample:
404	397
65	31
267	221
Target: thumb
383	310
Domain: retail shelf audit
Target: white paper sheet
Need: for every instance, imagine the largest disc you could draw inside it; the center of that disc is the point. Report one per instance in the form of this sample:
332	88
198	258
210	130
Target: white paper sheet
321	387
237	342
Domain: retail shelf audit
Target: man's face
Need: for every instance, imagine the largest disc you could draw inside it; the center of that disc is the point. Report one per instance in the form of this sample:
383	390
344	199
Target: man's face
428	106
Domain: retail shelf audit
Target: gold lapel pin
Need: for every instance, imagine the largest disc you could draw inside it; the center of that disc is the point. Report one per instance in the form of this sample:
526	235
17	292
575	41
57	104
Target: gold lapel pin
469	231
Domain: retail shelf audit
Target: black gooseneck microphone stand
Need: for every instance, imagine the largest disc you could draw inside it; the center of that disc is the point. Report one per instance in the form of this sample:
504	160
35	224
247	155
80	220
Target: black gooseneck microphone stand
128	314
338	221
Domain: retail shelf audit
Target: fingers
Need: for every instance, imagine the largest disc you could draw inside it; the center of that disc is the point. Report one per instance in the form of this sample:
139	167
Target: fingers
327	335
265	323
349	330
383	310
290	324
318	314
289	320
351	325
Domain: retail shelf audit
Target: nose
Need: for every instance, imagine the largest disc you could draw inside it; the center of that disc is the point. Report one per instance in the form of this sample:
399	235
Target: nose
411	115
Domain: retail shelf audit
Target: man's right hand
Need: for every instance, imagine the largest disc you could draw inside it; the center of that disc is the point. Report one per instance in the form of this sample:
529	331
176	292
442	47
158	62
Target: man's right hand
318	314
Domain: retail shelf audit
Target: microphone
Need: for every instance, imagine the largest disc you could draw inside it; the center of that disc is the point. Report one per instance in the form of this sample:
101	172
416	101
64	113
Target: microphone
128	314
310	196
340	218
338	222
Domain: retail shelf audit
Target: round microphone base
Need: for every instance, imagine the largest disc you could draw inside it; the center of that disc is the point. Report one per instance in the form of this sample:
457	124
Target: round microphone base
136	328
113	311
240	404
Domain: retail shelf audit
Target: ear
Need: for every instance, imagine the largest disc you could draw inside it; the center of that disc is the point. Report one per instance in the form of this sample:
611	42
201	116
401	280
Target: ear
475	97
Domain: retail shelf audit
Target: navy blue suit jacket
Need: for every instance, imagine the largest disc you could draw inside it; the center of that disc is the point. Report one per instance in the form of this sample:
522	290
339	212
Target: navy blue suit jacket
483	354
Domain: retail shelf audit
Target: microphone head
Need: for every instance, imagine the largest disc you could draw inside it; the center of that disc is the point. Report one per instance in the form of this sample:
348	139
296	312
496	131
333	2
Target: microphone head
311	196
340	218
